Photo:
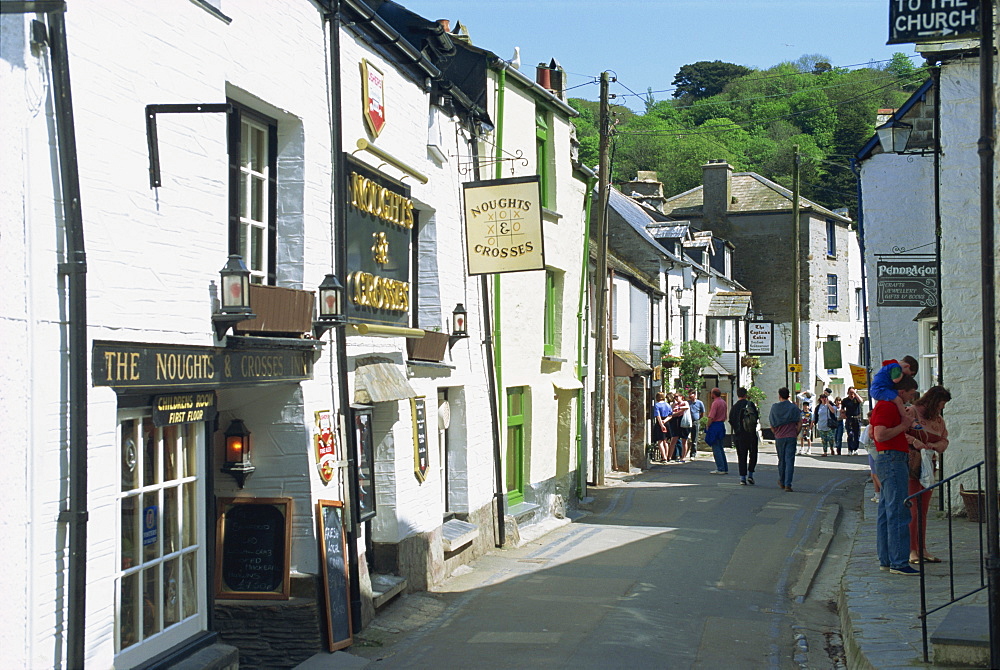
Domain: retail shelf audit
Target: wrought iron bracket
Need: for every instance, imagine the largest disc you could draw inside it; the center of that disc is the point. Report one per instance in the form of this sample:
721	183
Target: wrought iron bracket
151	141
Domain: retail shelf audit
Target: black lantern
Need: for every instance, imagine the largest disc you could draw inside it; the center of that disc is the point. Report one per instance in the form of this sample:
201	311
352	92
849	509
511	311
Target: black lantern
238	452
459	324
235	296
894	135
331	307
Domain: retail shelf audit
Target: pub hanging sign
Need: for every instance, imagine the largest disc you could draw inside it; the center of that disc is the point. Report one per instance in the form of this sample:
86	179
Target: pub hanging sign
906	282
379	224
503	223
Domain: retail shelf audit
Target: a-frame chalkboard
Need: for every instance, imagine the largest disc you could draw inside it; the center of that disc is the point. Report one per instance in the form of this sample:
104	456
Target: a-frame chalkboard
336	587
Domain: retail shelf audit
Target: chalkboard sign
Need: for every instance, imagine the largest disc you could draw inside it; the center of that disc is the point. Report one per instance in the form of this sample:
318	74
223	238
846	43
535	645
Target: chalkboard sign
330	514
253	544
418	408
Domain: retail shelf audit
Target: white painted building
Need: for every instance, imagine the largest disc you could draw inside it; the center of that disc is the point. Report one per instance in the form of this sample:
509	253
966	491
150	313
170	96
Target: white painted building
899	196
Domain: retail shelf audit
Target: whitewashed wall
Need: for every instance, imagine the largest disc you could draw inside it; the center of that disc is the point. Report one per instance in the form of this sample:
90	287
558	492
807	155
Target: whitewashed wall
898	214
961	262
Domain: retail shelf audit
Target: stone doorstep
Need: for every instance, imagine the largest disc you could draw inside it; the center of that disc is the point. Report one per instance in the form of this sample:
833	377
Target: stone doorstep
456	533
385	587
962	637
522	512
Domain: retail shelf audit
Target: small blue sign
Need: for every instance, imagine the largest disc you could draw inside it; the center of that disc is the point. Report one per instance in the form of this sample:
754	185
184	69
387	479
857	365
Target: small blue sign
149	525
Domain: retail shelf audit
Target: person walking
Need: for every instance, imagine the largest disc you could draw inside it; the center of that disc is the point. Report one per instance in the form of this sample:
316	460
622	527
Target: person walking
743	419
661	413
697	411
715	434
825	418
805	420
851	407
785	419
893	526
682	427
838	432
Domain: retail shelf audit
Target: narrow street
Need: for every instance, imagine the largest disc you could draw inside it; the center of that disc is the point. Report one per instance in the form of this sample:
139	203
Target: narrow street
672	567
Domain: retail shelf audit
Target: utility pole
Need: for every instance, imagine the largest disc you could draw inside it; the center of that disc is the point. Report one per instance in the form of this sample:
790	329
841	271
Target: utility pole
600	354
797	280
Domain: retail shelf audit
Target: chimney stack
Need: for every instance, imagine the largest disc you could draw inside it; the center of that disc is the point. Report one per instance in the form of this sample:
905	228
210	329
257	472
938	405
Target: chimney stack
717	191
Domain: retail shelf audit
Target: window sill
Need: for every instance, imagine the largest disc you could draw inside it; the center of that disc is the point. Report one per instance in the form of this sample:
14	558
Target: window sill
553	359
551	215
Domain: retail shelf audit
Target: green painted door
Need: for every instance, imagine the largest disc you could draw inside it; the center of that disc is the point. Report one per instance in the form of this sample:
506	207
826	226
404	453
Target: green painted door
515	445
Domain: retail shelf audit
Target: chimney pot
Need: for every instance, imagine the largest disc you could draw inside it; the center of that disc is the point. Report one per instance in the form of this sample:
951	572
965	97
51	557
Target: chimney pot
446	24
543	76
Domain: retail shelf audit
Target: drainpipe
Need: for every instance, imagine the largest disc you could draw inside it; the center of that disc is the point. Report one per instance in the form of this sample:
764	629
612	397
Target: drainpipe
493	343
864	282
936	75
582	340
75	268
340	256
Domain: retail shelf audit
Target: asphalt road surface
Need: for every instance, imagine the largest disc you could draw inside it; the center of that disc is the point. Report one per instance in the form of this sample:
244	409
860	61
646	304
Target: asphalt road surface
670	568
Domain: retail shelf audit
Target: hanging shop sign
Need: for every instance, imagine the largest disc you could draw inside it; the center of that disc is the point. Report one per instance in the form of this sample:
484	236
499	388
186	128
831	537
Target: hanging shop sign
932	20
906	282
378	227
760	338
859	376
170	410
128	366
503	222
325	442
418	410
373	96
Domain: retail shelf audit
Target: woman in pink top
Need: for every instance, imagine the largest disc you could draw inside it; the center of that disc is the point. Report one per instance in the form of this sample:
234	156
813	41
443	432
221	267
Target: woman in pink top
933	434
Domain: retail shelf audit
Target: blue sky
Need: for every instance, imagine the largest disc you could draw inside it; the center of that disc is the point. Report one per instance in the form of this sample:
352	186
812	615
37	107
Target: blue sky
646	42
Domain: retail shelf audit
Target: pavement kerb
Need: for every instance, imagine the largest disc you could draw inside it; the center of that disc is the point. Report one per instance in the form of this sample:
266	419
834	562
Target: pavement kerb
827	527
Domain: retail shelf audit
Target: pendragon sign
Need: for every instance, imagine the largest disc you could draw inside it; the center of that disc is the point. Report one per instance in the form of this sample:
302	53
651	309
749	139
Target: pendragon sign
906	282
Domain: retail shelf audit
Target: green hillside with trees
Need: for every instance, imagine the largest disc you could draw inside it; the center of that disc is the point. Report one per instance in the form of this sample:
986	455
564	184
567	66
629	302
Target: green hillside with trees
753	119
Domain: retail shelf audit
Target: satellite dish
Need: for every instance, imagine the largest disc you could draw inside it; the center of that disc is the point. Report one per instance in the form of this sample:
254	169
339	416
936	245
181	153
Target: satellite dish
444	415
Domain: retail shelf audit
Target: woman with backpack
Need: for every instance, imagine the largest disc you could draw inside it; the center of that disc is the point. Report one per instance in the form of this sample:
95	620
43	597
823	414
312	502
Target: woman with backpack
743	419
825	416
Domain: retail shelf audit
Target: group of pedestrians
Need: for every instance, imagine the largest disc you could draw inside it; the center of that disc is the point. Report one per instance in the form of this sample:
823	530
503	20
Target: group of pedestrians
675	425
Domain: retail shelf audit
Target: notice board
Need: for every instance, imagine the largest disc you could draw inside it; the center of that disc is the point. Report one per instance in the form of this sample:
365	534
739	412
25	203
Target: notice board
336	583
253	541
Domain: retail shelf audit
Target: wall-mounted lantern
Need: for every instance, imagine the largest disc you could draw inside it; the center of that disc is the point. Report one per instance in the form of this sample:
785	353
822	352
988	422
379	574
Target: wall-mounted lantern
894	136
238	452
235	296
459	324
331	306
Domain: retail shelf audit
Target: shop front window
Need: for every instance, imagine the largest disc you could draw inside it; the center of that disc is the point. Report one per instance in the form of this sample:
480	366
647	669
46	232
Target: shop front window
160	581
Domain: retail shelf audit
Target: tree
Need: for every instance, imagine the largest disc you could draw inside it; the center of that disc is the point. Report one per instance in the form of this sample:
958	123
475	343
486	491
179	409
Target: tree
696	355
705	78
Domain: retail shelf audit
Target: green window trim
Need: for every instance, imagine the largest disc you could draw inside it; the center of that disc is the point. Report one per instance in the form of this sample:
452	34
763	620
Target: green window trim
543	156
549	325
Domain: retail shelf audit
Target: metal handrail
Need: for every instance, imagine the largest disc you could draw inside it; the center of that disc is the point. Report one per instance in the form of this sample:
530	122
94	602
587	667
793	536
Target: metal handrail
908	501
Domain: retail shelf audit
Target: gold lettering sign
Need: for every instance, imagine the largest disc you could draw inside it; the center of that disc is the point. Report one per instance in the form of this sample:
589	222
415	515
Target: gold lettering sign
125	365
377	200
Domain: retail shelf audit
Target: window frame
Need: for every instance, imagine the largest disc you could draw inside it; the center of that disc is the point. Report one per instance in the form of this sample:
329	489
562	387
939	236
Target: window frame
240	115
516	444
550	323
543	157
148	646
832	293
831	238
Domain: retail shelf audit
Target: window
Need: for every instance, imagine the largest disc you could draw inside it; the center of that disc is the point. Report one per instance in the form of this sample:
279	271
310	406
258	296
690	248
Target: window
859	305
253	149
927	373
685	324
831	293
543	157
722	333
515	445
551	315
831	238
159	592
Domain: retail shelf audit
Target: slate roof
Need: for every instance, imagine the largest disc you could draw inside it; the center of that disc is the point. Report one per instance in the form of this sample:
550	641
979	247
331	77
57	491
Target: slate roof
729	304
751	193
